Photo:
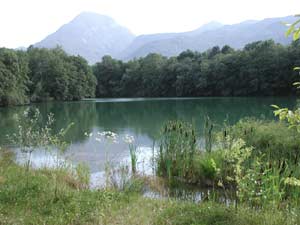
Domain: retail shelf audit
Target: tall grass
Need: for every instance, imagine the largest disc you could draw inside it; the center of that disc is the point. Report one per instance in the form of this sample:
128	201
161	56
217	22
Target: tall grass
208	134
264	178
176	150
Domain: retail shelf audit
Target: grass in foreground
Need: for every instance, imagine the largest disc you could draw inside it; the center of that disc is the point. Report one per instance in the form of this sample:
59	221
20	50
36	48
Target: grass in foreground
30	198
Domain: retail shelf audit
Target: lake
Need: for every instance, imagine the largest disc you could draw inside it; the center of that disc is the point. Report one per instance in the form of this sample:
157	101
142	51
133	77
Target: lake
139	117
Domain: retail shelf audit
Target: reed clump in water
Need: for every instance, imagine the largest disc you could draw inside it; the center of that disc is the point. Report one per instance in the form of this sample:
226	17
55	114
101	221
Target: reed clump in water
176	150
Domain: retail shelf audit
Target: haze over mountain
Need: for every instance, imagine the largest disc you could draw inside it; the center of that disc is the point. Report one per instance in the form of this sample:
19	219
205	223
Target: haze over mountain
92	36
209	35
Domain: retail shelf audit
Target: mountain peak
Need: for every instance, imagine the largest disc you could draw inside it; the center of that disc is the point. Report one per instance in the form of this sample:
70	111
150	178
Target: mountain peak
93	35
93	17
212	25
90	35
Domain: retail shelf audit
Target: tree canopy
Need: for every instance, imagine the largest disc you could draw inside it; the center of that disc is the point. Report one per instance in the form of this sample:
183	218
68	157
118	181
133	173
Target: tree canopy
261	68
43	74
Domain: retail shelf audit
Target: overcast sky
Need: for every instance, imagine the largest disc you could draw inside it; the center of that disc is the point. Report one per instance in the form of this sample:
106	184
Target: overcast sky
24	22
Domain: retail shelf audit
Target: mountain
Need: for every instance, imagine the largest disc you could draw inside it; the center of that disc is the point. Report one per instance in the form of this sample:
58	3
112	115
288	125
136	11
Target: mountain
90	35
209	35
144	44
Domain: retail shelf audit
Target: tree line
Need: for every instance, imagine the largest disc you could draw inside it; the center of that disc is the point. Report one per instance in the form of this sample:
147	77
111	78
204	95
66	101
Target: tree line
261	68
43	74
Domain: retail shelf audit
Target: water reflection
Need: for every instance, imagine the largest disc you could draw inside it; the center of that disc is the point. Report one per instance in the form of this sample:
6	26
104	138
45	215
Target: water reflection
193	194
141	118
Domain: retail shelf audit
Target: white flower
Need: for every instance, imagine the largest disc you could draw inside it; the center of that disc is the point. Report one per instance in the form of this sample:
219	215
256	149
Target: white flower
128	139
111	136
88	135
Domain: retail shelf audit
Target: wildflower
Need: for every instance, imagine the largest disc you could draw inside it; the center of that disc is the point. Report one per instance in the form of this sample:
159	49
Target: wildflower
128	139
220	184
292	181
111	136
88	134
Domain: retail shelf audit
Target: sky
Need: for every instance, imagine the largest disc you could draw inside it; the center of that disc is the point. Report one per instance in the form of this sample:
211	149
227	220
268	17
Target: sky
25	22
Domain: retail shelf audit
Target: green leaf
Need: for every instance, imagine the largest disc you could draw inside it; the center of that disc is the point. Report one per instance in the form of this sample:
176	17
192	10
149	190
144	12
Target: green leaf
296	83
290	30
275	106
296	35
296	68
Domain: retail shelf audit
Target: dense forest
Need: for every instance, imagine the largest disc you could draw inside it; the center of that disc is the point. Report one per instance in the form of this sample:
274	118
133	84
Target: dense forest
262	68
42	74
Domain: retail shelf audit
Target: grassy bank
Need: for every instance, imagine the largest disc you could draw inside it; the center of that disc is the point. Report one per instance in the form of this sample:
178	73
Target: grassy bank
35	197
256	161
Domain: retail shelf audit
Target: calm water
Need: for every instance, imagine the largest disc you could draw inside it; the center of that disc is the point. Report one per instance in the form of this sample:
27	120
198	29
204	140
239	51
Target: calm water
141	118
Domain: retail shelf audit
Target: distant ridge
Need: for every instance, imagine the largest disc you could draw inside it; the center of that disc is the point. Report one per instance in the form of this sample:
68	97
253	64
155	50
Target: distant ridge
92	36
209	35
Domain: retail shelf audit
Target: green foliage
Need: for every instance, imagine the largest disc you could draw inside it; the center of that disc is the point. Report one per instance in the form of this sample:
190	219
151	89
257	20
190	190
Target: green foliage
32	135
83	175
35	203
294	29
216	214
262	68
55	75
43	74
208	168
108	74
273	139
177	150
261	185
133	157
269	175
13	77
234	160
208	128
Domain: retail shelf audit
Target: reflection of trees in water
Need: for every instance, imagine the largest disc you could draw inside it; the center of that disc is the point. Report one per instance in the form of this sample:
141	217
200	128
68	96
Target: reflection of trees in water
83	115
143	117
147	117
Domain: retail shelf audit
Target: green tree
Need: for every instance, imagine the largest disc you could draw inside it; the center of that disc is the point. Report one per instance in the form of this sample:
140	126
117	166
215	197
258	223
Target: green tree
13	77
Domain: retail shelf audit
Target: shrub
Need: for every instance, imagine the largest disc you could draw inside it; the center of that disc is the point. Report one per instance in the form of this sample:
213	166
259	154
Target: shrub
273	139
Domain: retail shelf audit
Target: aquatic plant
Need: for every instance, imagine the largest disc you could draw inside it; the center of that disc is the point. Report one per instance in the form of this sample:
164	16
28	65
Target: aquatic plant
31	135
177	150
133	152
208	136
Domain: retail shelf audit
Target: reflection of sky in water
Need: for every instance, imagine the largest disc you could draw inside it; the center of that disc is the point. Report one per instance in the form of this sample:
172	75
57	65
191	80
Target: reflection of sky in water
95	154
141	118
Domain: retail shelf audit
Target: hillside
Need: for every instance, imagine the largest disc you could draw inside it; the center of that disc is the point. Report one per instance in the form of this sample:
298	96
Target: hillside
90	35
236	35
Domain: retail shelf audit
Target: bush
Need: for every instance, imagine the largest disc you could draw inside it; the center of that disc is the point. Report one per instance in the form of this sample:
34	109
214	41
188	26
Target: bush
271	138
